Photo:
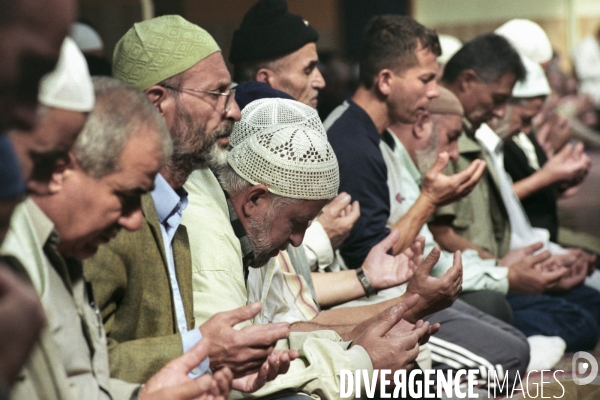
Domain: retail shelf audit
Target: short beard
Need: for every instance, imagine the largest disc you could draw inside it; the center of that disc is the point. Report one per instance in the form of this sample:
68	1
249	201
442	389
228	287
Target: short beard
428	156
193	147
258	229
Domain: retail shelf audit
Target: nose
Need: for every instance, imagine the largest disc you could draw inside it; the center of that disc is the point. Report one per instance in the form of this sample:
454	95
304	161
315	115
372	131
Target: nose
132	221
453	152
499	111
234	112
296	238
318	81
433	91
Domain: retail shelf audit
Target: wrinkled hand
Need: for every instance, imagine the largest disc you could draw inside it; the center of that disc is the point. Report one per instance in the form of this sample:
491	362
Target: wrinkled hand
338	218
172	381
391	349
277	363
441	189
529	276
21	321
517	255
243	351
384	270
435	293
574	277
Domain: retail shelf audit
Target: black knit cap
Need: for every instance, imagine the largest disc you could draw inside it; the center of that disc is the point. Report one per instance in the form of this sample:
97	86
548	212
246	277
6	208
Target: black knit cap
268	31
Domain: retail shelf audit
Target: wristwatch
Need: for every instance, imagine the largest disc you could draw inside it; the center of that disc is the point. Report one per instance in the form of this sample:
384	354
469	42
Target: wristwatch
366	283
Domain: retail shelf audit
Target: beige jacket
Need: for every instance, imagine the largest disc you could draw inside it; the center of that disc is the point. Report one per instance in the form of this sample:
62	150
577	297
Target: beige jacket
71	359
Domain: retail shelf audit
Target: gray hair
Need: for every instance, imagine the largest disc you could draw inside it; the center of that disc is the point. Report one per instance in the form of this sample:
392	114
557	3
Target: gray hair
234	184
121	112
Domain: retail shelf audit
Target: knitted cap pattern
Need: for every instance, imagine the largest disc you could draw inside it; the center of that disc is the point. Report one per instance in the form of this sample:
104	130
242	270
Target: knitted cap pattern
267	112
159	48
293	161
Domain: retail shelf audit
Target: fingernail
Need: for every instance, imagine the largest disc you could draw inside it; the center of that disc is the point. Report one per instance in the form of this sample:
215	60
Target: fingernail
393	310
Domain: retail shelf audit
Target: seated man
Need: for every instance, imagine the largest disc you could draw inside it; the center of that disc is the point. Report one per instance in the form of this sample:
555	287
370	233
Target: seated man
500	222
82	208
142	279
255	215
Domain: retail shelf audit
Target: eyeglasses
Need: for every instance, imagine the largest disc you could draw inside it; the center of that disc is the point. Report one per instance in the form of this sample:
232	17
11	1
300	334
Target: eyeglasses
227	95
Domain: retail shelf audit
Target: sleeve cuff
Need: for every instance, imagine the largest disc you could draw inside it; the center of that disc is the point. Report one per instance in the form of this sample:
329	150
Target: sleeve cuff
318	247
360	359
189	339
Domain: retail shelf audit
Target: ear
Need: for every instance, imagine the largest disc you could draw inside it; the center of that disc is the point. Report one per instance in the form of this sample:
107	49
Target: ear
62	169
159	97
419	130
256	200
264	75
467	79
384	81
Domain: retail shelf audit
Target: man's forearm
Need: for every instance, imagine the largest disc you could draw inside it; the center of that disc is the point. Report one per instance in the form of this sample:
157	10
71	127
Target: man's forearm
528	186
342	329
450	241
411	223
333	288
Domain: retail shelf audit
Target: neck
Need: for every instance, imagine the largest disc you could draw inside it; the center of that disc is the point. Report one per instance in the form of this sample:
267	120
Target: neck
374	106
176	172
462	97
404	133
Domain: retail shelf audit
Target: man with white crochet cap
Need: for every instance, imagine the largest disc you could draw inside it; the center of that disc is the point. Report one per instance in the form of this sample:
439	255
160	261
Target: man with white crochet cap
277	178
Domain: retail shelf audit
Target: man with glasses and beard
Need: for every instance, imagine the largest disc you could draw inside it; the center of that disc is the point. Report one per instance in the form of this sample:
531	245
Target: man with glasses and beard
142	279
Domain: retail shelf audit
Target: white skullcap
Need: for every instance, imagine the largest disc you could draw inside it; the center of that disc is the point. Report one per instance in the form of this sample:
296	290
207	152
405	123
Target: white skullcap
69	86
535	83
293	161
528	38
86	38
450	45
263	113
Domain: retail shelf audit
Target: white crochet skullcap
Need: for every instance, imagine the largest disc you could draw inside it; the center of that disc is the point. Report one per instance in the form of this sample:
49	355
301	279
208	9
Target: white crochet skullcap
293	161
263	113
69	86
535	83
450	45
86	38
528	38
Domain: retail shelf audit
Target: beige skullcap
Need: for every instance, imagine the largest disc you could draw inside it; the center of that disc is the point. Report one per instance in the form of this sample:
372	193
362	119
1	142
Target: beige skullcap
447	103
266	112
535	83
293	161
69	86
159	48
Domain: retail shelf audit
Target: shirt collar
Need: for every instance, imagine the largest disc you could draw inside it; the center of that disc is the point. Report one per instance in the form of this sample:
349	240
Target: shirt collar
168	202
489	139
407	162
42	225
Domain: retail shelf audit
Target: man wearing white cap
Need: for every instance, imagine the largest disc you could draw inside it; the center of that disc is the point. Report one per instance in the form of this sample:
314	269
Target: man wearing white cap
277	178
92	192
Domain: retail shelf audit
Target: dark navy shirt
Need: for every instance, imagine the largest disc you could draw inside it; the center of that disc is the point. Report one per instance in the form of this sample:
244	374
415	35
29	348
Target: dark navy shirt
363	175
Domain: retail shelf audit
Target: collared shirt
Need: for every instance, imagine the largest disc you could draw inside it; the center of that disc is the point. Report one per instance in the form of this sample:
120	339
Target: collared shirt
170	204
363	175
522	233
404	183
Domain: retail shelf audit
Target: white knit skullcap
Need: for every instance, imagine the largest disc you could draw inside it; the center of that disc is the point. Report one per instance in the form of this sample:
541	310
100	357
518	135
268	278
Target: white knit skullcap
69	86
263	113
450	45
86	38
293	161
528	38
535	83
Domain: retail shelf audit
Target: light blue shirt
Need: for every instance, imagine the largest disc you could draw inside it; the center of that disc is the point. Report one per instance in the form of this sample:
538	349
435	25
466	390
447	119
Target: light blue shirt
169	205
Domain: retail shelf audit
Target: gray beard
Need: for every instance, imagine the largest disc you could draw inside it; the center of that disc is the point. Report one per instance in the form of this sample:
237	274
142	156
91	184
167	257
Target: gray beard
427	157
